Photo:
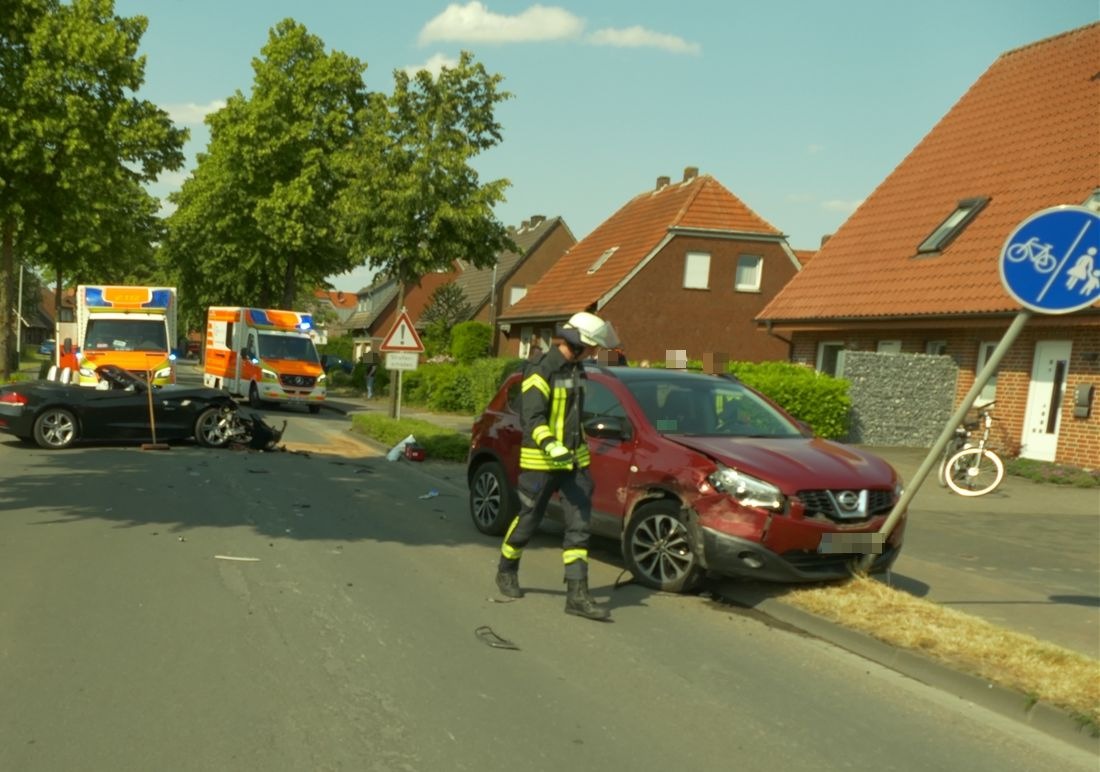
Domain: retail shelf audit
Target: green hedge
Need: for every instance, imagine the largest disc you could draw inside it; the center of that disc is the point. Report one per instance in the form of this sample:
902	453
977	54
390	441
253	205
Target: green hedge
819	400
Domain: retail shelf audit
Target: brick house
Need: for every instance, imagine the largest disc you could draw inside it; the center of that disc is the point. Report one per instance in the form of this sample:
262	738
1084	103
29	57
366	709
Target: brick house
916	268
685	265
376	310
490	291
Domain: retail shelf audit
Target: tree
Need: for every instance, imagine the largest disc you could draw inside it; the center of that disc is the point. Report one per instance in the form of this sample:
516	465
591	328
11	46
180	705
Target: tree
414	204
75	143
256	224
446	307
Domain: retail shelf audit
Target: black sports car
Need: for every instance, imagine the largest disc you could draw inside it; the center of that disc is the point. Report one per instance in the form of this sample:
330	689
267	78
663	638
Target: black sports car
55	415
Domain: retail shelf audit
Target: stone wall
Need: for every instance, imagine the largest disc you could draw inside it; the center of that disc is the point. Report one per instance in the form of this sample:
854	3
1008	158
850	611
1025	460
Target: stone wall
902	400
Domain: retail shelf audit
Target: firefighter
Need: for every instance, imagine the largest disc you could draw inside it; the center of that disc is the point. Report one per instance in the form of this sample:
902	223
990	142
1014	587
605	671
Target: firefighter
554	457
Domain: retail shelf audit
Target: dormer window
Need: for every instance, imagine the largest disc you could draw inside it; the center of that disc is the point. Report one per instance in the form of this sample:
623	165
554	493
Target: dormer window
1092	203
601	260
951	227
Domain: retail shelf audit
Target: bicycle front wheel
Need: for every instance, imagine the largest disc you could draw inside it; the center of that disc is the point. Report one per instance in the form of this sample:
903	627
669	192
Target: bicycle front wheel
974	472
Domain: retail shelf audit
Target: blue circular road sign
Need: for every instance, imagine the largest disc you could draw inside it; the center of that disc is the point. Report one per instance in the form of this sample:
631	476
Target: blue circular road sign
1051	262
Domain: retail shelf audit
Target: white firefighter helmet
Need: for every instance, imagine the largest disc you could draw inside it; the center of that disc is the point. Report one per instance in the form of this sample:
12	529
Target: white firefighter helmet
590	330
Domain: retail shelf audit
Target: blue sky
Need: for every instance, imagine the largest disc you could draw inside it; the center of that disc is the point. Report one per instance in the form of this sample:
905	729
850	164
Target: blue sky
799	107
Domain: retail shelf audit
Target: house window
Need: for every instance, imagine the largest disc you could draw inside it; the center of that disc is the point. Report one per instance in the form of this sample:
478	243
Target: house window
516	294
696	270
946	232
601	260
749	268
525	334
830	358
935	347
985	350
888	347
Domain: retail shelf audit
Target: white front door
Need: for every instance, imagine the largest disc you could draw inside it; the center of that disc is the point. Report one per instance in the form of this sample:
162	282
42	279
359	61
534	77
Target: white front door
1044	400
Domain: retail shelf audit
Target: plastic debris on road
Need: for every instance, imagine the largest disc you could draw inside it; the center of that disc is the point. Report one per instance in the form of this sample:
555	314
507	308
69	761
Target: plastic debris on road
397	450
430	494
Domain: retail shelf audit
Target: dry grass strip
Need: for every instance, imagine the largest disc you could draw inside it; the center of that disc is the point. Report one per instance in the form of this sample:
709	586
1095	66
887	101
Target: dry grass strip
1043	671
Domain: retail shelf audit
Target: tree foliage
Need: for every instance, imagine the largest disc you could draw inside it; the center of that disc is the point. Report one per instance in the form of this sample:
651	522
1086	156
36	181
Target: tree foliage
414	204
255	224
76	144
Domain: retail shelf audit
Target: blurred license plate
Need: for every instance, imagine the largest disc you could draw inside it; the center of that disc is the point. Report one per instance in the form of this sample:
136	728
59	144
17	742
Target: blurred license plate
845	543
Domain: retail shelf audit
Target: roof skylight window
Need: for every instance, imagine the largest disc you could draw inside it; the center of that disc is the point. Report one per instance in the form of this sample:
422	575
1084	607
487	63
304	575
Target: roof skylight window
946	232
601	260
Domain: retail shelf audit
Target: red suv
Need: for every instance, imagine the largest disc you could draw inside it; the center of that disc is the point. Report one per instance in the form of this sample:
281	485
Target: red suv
699	473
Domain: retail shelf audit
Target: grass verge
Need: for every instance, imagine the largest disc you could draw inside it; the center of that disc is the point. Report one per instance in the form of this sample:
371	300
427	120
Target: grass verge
439	444
1044	671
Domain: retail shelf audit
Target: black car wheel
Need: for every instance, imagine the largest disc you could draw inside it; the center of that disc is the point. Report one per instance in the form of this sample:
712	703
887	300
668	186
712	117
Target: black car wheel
315	409
658	551
55	428
493	504
211	428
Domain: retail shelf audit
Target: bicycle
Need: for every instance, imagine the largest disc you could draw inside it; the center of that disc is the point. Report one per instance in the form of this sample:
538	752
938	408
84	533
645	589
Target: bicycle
969	469
1035	251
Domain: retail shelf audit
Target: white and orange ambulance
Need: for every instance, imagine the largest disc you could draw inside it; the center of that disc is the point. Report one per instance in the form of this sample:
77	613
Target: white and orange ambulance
131	327
265	355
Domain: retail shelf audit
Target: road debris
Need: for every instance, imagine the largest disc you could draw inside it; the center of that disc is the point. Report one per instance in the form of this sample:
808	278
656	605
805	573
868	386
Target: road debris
430	494
486	635
239	559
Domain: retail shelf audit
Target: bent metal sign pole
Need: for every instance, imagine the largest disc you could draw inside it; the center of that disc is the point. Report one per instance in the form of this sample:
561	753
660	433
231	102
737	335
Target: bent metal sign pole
1050	264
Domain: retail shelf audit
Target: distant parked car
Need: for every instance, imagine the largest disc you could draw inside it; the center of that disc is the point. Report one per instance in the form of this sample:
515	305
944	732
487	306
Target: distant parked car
332	362
47	348
700	473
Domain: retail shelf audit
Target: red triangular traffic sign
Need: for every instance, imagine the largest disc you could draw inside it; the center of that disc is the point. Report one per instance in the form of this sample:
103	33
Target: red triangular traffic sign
402	337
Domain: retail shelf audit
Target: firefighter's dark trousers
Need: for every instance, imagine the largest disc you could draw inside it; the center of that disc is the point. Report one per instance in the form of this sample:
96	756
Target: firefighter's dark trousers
535	489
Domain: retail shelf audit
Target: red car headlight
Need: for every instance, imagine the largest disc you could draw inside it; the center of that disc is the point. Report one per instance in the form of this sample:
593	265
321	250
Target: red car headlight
746	489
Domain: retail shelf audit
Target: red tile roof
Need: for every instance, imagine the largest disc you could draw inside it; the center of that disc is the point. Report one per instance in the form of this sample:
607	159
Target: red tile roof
1026	134
636	230
338	298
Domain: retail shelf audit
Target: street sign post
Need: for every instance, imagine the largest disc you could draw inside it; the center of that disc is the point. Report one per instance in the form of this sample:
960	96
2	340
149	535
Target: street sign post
402	347
1051	262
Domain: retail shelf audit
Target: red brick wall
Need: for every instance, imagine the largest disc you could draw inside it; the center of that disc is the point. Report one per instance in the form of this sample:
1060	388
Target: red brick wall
654	312
1078	438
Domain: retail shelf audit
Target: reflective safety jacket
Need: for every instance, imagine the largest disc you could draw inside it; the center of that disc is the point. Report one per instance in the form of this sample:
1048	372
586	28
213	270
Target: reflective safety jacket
551	403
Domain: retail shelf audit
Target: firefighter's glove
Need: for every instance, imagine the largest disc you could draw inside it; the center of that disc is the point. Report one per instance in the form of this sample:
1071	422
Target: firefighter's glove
558	452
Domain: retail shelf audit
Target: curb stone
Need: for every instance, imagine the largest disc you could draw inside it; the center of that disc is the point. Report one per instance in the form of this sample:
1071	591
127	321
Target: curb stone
1046	718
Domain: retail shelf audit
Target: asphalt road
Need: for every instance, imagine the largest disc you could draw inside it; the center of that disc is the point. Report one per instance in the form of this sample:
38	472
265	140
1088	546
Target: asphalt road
310	610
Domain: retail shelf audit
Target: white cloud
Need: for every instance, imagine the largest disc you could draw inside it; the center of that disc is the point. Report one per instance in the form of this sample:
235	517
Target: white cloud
435	63
640	37
836	205
475	23
191	114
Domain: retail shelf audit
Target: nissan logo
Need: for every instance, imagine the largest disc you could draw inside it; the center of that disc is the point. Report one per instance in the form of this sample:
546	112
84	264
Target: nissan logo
848	501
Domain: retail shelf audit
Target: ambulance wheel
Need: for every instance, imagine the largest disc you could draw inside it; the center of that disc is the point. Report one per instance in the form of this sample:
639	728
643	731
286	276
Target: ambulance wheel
254	397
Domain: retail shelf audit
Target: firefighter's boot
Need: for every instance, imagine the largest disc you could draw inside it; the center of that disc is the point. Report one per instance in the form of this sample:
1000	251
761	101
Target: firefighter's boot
580	603
508	584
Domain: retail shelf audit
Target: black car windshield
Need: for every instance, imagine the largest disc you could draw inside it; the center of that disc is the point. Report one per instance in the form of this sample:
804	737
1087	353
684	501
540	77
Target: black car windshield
684	403
296	347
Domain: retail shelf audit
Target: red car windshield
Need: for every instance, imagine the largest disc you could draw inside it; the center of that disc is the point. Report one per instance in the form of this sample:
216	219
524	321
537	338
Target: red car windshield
708	406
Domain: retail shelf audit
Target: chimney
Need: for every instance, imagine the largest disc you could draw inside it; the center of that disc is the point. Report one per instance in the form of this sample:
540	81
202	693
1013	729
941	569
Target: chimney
690	172
662	182
523	227
825	238
536	219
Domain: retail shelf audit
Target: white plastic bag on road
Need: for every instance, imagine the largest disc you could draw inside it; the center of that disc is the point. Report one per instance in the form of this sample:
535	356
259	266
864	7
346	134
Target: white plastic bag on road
397	450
